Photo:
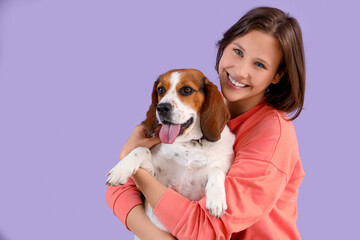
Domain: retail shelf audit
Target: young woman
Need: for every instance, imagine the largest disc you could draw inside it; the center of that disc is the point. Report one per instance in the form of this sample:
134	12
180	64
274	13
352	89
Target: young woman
261	68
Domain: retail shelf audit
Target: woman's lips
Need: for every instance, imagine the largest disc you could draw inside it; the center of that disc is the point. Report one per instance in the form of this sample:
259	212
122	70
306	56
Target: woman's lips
235	84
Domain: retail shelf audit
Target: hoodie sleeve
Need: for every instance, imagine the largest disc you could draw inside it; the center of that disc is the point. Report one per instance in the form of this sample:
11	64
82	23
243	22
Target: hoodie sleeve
122	199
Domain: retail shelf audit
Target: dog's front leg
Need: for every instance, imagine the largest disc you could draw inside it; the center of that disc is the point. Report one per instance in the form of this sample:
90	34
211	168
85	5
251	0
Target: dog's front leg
215	192
139	157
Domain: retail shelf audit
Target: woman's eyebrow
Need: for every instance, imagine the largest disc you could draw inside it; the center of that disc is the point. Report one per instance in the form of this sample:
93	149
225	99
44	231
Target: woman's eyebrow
239	46
263	61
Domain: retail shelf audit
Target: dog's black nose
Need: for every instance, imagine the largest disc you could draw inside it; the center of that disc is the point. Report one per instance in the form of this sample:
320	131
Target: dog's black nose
163	108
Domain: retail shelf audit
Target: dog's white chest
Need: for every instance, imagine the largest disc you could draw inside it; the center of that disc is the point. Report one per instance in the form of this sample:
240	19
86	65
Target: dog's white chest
183	167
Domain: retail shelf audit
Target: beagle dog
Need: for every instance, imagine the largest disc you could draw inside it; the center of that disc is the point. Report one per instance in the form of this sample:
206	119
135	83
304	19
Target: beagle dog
197	146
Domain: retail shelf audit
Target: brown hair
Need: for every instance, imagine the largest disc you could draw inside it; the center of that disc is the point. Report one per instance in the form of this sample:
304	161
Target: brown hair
288	94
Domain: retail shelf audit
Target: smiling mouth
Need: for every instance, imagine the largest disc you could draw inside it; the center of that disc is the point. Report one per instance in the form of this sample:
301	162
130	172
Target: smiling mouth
170	131
235	83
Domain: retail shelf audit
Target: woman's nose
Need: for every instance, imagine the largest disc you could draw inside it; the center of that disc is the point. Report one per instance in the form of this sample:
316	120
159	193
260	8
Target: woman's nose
242	70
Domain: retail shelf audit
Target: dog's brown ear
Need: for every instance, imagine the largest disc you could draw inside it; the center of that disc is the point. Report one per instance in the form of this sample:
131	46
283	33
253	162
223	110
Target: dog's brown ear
214	112
151	122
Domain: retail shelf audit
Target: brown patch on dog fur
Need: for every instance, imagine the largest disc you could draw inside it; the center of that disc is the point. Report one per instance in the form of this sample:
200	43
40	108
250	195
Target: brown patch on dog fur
214	112
192	78
164	82
151	122
188	77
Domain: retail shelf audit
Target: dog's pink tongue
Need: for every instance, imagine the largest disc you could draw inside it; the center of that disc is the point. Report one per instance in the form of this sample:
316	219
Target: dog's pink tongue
169	132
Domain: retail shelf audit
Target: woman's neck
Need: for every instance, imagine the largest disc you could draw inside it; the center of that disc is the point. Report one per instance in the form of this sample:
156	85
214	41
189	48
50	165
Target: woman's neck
242	106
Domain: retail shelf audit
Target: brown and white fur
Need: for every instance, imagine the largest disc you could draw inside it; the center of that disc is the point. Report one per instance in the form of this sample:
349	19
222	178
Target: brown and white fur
196	163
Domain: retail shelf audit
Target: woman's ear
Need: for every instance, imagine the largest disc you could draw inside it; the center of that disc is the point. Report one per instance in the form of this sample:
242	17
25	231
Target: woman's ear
214	113
278	76
151	122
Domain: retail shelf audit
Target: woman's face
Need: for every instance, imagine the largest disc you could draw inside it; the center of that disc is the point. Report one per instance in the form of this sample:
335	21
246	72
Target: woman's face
247	67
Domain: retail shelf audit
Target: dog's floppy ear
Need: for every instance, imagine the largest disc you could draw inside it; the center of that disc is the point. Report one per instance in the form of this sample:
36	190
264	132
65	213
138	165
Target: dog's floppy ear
151	122
214	112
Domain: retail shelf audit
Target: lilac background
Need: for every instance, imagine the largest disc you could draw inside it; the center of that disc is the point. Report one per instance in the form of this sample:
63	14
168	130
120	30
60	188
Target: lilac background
76	76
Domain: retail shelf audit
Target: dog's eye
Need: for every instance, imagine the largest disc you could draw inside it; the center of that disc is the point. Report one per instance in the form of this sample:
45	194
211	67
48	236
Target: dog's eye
186	91
161	91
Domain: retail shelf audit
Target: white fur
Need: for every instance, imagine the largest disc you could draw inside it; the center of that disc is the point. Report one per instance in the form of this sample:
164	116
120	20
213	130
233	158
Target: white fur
192	168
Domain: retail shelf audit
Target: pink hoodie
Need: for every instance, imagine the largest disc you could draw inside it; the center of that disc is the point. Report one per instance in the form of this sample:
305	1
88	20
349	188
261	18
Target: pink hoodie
261	186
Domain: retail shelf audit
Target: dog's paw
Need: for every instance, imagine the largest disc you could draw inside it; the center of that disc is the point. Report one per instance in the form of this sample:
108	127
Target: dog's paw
216	204
120	174
139	157
216	207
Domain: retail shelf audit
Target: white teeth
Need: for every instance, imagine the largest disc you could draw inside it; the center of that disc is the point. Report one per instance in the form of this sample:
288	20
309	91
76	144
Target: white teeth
236	83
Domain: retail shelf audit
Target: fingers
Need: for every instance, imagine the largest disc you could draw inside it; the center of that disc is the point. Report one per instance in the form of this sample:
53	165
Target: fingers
139	139
140	127
156	131
155	139
151	141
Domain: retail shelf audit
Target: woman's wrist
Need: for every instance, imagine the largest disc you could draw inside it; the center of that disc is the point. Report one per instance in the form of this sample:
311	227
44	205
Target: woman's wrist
125	151
152	189
139	223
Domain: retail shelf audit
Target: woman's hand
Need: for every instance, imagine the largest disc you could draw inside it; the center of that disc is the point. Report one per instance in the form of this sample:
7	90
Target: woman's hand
138	138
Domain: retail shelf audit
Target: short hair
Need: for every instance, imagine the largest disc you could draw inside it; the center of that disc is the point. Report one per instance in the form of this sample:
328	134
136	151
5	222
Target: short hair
288	94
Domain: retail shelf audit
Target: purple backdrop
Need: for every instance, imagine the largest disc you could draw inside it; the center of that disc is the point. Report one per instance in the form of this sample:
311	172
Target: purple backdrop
76	77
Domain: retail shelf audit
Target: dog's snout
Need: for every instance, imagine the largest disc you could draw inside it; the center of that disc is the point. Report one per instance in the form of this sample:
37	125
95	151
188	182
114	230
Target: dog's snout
164	108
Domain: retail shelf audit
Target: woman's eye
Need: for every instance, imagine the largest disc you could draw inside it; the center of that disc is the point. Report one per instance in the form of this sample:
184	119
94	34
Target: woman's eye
186	90
259	64
161	91
239	52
